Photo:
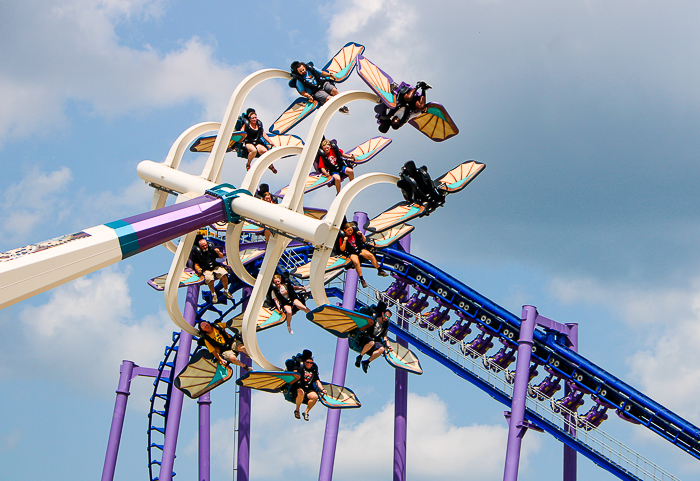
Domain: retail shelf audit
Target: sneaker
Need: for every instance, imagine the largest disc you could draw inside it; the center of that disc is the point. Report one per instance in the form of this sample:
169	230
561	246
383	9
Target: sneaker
228	294
382	273
344	110
365	366
214	299
424	85
289	328
358	360
363	282
393	86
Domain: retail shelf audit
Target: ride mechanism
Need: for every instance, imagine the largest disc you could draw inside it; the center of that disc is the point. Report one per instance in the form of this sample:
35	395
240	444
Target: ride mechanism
531	339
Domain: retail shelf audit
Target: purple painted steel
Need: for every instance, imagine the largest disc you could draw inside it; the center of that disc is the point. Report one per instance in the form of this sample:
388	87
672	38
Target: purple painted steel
330	438
168	209
164	226
148	372
570	462
516	429
172	425
115	430
204	403
401	403
244	393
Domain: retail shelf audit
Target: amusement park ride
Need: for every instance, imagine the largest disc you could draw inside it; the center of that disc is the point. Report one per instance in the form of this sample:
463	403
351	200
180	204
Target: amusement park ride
302	243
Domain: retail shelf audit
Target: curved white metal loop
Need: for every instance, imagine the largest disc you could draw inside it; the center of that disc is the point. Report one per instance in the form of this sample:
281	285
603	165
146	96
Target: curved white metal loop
172	282
293	200
260	165
295	193
334	217
275	248
173	160
212	169
233	231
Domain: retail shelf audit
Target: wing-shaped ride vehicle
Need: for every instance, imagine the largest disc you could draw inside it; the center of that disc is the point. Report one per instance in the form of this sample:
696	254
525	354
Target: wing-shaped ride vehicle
403	103
340	67
345	323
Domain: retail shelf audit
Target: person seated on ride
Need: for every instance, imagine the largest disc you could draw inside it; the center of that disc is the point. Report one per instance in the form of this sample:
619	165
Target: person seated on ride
353	244
222	345
256	141
306	386
262	190
373	339
314	85
408	103
331	163
268	197
204	256
283	295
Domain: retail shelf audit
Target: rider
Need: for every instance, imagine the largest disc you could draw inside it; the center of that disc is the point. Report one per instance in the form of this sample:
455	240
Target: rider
283	295
256	141
408	102
305	386
221	344
314	85
204	257
352	243
331	163
373	339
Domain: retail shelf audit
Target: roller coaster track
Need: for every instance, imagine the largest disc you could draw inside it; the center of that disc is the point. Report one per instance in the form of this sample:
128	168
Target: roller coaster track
162	386
549	351
468	360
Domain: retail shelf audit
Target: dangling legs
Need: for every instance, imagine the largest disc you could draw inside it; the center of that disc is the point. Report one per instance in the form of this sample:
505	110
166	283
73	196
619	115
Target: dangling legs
288	314
252	152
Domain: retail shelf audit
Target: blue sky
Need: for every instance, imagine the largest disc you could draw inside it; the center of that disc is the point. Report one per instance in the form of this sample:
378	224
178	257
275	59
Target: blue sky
586	114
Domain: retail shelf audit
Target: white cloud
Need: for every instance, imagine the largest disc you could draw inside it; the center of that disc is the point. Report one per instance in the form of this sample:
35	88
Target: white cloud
668	322
283	446
61	52
39	197
84	330
35	198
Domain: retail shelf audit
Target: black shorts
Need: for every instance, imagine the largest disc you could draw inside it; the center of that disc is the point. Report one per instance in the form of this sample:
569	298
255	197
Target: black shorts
362	341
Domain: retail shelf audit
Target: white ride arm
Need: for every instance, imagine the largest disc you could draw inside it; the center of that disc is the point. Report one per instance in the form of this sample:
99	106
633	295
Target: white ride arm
233	231
295	193
212	169
173	159
275	248
172	282
334	217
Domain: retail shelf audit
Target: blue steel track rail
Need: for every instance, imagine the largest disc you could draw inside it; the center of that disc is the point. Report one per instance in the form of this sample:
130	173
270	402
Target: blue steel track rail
504	398
549	350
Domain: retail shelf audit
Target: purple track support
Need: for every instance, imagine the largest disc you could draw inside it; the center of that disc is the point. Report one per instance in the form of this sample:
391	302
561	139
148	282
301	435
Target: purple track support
204	403
172	425
330	438
401	404
516	429
115	431
570	463
244	394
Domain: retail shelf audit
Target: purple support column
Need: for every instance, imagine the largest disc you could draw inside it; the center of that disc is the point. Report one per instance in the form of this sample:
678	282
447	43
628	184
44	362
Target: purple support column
204	403
115	431
569	452
172	425
516	429
401	404
243	461
330	438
